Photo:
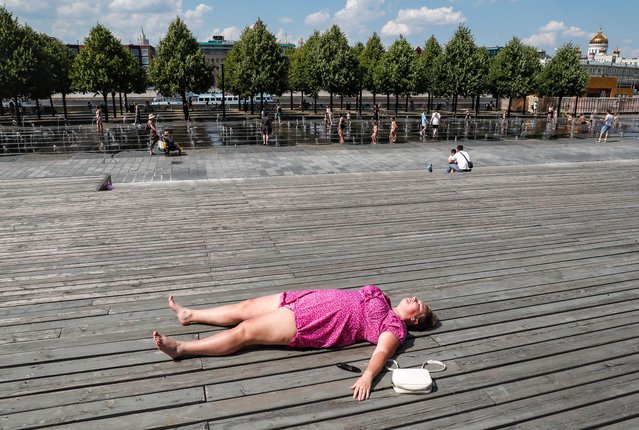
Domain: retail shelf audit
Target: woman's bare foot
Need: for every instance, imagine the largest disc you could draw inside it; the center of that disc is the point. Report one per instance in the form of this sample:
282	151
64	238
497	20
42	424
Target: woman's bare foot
166	345
183	314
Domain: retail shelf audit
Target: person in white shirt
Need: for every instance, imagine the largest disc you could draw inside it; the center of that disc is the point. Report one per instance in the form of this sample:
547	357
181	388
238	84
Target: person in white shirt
434	121
606	126
461	159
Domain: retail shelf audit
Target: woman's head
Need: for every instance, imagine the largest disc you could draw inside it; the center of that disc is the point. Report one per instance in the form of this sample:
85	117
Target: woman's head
416	314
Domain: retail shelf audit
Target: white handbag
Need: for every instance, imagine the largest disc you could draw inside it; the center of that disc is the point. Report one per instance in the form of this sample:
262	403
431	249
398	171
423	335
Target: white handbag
414	381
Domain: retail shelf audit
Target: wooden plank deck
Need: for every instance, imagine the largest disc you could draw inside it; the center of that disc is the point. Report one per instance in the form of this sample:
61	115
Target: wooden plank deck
534	272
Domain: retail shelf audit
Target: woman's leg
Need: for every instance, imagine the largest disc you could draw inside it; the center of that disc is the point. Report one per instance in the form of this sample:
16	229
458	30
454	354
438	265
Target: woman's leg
227	315
273	328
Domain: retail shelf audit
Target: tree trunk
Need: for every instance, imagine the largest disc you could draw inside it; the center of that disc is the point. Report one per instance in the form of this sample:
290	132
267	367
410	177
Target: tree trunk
510	101
396	103
17	108
387	101
374	94
106	107
330	103
302	102
559	106
38	108
341	102
185	106
406	107
113	103
120	100
291	99
51	103
315	105
64	106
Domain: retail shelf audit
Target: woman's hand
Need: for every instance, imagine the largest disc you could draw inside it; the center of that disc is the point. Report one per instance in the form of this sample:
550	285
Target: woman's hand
362	387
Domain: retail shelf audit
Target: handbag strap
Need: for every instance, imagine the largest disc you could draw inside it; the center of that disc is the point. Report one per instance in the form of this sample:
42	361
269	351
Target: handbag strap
436	362
464	156
426	363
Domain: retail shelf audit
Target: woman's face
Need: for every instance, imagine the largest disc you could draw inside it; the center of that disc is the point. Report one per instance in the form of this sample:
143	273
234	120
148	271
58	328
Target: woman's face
412	307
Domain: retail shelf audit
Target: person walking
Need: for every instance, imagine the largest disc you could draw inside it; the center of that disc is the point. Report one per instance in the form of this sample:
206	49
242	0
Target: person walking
392	135
434	122
606	126
154	136
278	113
422	132
98	119
375	133
265	127
340	128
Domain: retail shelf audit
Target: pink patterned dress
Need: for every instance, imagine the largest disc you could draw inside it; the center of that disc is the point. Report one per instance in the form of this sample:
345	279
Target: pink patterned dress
327	318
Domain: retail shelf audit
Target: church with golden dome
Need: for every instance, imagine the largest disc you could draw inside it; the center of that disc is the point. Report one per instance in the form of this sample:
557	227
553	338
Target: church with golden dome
598	51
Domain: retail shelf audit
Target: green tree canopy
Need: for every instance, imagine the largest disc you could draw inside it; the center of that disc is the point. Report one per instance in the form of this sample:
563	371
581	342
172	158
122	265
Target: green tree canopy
426	72
460	65
256	64
180	66
398	66
369	60
302	70
98	67
513	72
20	58
336	63
563	76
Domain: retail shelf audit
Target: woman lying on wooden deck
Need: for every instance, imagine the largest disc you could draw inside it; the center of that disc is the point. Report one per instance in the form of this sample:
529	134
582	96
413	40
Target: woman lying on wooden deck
306	319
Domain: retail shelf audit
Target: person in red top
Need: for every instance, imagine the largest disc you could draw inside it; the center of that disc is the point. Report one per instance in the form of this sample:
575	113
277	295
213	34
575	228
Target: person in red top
306	319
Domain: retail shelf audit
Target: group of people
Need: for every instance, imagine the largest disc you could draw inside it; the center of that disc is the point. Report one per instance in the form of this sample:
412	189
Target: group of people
435	119
459	160
169	144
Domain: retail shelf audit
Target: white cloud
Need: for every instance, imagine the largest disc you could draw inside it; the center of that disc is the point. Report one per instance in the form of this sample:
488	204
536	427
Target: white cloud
78	10
229	33
317	17
286	20
553	26
195	18
541	39
413	20
357	13
551	33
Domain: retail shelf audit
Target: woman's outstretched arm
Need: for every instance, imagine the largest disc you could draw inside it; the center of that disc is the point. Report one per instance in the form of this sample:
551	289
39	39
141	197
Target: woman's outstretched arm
386	347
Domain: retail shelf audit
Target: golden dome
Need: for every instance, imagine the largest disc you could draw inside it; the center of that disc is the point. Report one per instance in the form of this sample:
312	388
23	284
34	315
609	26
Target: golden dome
599	38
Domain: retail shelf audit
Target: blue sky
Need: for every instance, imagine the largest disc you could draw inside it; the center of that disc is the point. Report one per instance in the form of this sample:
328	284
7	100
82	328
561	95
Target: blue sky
546	24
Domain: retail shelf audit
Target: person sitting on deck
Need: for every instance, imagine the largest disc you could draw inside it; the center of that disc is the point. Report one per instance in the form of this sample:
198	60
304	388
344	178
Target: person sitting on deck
306	319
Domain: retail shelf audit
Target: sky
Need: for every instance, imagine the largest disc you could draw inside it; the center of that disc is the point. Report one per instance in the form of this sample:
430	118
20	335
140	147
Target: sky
545	24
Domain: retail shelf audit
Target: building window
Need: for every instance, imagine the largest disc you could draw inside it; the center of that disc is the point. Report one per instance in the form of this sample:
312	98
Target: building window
135	51
145	52
145	60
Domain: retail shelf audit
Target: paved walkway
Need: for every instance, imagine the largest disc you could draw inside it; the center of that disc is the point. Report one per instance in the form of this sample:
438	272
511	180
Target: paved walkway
257	161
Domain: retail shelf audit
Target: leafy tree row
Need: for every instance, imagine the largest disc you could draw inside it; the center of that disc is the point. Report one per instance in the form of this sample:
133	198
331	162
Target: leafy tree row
35	65
458	69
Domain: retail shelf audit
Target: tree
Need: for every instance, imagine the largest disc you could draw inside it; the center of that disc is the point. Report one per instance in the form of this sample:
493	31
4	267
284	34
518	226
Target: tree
97	67
257	63
514	70
460	65
563	76
180	66
19	54
336	63
60	59
426	69
303	73
369	60
398	63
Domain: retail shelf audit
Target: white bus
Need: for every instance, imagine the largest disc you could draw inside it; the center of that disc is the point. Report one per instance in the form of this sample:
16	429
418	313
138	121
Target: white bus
215	99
